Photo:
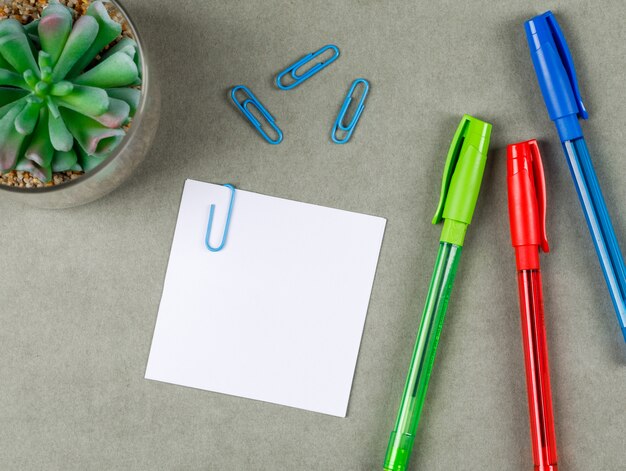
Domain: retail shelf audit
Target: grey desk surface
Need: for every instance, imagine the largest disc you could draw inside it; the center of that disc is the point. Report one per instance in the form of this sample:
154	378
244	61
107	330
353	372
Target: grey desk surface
79	289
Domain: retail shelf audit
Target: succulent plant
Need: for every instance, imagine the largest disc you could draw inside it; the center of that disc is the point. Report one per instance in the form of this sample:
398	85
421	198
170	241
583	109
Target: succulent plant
62	106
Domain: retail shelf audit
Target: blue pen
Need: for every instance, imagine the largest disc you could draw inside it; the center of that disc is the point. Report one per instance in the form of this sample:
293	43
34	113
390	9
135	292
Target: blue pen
557	78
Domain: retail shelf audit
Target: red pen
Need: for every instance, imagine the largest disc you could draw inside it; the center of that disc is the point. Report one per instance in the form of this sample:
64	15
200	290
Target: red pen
527	215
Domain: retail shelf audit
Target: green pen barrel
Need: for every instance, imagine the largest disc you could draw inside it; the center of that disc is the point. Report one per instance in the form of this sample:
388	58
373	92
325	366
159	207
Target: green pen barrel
403	436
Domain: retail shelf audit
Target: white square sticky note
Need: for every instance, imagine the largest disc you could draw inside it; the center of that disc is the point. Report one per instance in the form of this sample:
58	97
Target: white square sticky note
277	315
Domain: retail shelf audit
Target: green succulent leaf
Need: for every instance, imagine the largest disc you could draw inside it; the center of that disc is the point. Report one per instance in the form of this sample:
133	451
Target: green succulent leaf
26	121
10	97
94	138
9	27
126	45
31	28
17	52
30	78
24	165
9	137
64	161
5	65
33	36
119	70
61	88
89	162
46	74
45	66
129	47
53	108
12	26
40	150
42	173
132	96
116	116
44	60
54	28
108	30
86	100
60	137
80	39
12	79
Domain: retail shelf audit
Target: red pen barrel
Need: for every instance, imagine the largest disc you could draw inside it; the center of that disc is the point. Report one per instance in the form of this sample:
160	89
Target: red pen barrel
527	216
537	371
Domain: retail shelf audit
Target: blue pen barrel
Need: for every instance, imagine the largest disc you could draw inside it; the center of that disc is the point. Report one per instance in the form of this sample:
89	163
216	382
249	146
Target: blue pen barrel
599	223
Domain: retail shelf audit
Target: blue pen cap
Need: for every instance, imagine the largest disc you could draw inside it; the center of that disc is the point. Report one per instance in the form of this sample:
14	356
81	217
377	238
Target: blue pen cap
556	75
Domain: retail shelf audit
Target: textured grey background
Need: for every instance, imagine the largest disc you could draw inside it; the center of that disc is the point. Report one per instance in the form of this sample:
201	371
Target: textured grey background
79	289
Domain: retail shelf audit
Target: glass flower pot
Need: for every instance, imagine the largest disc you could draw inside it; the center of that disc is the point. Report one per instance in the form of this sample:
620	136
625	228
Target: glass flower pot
121	163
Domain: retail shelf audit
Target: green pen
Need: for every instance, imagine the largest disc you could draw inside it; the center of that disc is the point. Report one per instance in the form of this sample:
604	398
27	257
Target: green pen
462	176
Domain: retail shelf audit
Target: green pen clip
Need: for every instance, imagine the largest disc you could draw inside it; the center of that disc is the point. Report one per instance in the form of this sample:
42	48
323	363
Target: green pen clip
462	176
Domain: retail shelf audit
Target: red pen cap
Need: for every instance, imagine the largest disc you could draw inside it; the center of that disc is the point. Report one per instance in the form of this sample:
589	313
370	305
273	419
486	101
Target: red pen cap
527	203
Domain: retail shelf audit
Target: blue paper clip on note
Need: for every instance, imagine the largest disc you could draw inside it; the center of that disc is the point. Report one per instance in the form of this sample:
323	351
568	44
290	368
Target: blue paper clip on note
293	69
207	238
348	129
244	106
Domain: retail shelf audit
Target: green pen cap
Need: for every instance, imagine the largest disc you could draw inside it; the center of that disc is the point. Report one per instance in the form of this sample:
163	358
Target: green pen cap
462	176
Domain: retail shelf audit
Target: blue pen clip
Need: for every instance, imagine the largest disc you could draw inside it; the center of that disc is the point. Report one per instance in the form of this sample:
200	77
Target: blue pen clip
253	101
556	74
339	125
292	70
207	237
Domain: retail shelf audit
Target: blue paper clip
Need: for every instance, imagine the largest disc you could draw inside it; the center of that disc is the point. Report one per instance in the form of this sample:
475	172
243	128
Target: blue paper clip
253	101
293	69
349	128
207	238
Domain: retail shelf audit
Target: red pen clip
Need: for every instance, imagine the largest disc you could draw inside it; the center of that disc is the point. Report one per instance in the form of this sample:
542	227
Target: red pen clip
527	202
